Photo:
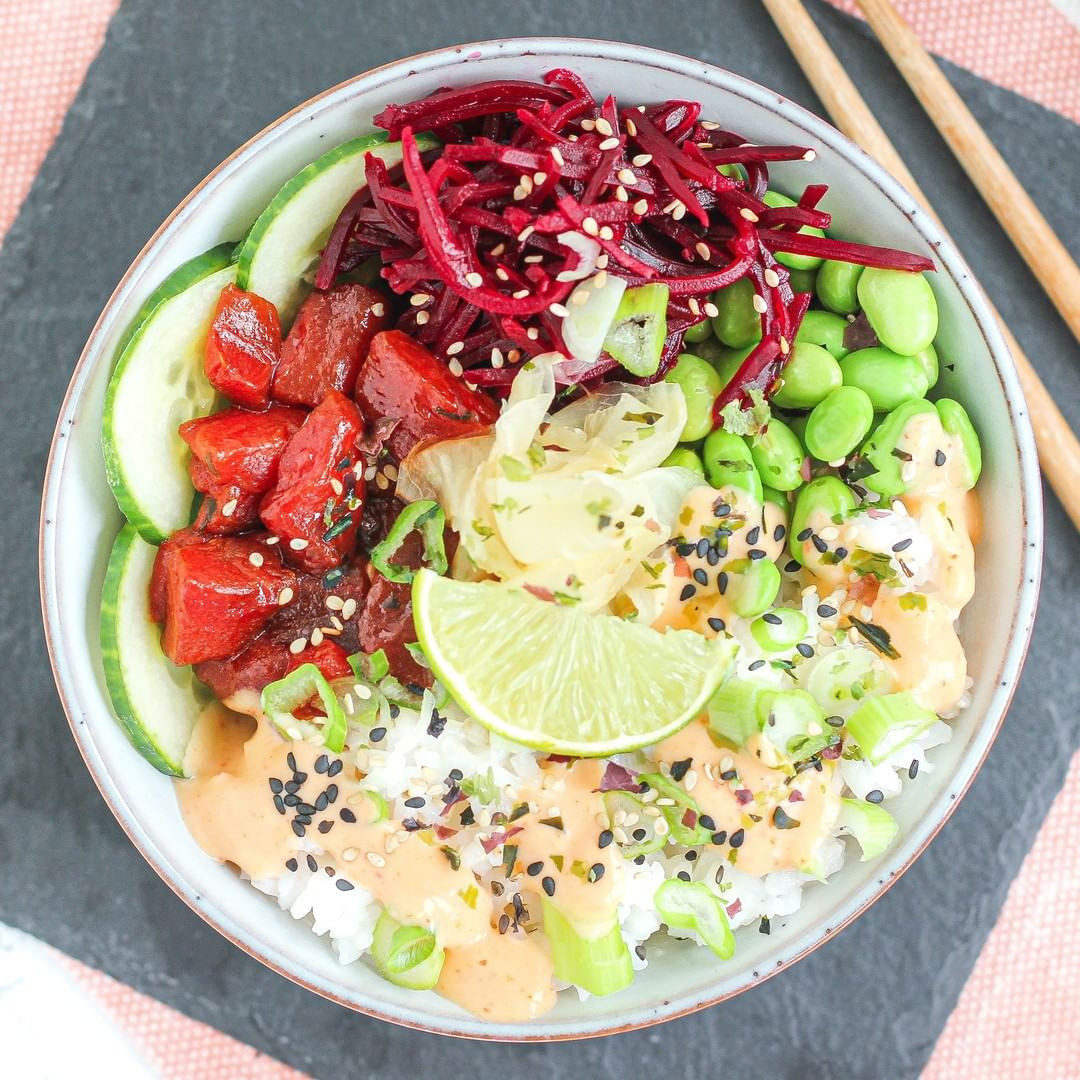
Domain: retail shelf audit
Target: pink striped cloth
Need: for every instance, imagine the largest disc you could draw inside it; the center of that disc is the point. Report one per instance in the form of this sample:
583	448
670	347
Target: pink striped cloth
1018	1014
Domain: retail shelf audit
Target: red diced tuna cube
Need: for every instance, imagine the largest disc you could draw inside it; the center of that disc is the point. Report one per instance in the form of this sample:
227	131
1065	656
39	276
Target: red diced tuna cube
242	347
403	381
159	574
317	503
218	596
225	511
328	343
328	656
239	448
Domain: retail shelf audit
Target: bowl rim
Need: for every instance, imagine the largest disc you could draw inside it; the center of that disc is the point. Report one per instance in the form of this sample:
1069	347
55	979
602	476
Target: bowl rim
1030	493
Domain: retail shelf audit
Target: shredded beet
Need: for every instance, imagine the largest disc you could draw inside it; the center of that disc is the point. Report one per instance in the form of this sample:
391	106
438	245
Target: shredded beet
477	232
618	778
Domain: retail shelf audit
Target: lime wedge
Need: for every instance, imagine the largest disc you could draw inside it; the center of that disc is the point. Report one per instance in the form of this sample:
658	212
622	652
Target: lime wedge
558	679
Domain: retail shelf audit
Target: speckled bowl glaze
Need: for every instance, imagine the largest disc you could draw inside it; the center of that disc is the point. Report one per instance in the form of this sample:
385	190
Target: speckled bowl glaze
80	519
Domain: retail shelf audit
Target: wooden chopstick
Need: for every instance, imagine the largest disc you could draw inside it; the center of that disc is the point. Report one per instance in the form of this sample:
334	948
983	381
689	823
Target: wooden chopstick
1059	450
1017	214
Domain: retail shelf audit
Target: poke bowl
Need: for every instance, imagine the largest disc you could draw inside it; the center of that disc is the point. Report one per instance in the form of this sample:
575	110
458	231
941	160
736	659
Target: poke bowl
534	516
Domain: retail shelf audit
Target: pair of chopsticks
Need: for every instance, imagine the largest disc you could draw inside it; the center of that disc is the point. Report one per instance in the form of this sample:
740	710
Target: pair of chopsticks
1057	272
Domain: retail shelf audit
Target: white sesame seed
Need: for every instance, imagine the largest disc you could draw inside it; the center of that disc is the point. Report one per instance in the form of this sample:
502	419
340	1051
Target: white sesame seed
810	155
520	193
497	250
391	471
520	294
375	859
710	125
661	827
772	278
908	471
711	310
602	261
419	299
606	232
454	348
316	636
422	318
255	559
527	184
641	206
631	127
378	310
381	482
532	333
600	280
370	471
626	176
455	367
558	309
334	603
590	227
588	125
694	306
533	258
679	212
759	304
336	486
556	156
539	178
830	532
229	508
285	596
297	646
362	692
603	127
497	360
608	144
350	853
270	541
501	274
670	206
785	345
526	233
703	249
337	624
579	297
621	194
475	279
641	160
748	214
298	543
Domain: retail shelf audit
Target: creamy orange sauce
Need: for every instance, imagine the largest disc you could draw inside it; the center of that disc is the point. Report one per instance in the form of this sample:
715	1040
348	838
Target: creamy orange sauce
755	792
228	805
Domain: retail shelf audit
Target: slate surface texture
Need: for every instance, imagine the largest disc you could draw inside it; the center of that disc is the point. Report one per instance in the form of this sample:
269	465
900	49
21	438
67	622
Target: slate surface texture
176	88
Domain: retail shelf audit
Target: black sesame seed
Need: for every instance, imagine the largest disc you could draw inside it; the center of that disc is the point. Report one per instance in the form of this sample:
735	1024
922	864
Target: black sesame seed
504	923
456	775
348	816
305	808
707	823
717	624
805	650
702	548
687	592
680	768
757	553
639	860
682	875
722	582
719	838
304	819
325	826
331	792
805	535
534	868
701	577
335	767
640	834
902	545
820	546
756	664
343	885
290	760
939	458
467	816
712	557
292	865
377	734
875	796
299	777
312	865
684	549
395	711
834	721
772	619
691	855
292	787
322	763
841	554
596	871
779	533
826	611
416	802
549	885
329	871
291	800
279	804
322	802
604	839
298	828
729	774
640	951
753	535
913	769
792	566
275	785
721	509
737	838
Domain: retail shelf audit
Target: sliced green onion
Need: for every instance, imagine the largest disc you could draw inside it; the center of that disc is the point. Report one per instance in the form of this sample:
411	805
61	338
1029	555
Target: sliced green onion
596	961
681	833
779	630
407	956
692	905
280	699
379	806
872	826
636	822
841	679
425	516
639	330
794	723
735	710
752	585
370	667
882	725
592	312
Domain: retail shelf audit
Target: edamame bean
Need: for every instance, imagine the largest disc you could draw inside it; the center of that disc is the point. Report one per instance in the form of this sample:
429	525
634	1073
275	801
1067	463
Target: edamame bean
729	361
751	586
736	324
685	458
956	422
778	456
838	424
800	280
796	262
700	385
824	498
928	361
728	462
825	329
779	630
810	373
900	307
697	333
887	479
888	379
837	284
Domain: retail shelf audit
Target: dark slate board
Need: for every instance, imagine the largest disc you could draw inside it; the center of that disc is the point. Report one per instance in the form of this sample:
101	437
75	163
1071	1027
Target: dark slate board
175	89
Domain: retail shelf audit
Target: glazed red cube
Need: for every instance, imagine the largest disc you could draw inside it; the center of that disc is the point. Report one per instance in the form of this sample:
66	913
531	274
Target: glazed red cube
328	656
317	503
403	381
159	574
242	347
238	448
219	595
259	664
328	343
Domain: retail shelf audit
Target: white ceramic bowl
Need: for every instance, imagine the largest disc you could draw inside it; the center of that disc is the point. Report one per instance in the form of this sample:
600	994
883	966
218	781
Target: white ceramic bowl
80	519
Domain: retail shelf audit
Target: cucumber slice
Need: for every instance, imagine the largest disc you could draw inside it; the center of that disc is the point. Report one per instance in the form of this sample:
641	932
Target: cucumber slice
156	702
284	244
159	383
